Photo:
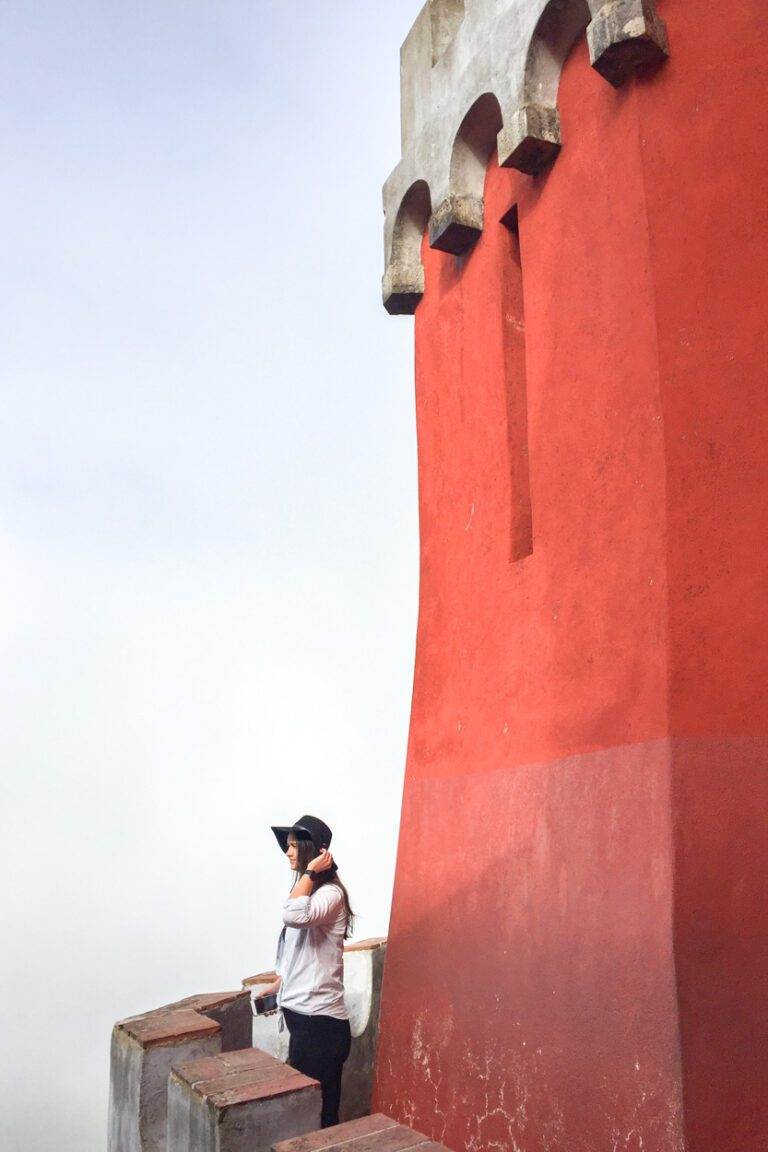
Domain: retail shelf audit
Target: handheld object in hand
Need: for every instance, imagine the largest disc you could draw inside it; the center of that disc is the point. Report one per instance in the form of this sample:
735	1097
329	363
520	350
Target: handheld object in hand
262	1005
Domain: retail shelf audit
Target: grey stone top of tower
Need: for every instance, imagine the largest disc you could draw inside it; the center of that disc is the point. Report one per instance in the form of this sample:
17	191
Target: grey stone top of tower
482	74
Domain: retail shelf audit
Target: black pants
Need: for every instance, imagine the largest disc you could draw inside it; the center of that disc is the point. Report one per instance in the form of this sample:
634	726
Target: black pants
319	1046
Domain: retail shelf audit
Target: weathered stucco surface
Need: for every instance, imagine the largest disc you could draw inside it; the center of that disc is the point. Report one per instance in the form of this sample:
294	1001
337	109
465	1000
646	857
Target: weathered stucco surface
138	1089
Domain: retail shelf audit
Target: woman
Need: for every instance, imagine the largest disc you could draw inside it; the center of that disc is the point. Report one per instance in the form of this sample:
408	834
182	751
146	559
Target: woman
317	919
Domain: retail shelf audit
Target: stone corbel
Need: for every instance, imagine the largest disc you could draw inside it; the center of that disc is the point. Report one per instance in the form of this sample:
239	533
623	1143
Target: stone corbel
624	35
531	139
402	288
456	224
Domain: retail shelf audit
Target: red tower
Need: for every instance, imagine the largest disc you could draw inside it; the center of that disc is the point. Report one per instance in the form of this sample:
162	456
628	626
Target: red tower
578	950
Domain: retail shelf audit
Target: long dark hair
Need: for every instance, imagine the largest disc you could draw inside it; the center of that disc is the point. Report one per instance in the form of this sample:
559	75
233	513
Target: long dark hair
306	851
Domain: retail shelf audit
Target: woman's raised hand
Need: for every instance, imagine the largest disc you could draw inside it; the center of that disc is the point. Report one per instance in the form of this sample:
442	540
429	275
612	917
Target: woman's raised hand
322	862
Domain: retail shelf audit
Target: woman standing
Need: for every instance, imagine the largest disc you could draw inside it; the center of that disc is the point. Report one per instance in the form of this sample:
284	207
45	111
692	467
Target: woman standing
317	919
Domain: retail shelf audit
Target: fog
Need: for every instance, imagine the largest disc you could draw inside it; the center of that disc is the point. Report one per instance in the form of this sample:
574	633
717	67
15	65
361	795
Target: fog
208	514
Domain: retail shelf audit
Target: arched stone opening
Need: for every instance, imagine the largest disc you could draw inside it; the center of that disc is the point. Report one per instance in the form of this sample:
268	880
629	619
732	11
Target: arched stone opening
403	284
622	35
458	220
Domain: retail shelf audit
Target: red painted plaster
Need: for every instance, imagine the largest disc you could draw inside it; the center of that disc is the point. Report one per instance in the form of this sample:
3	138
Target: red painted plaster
706	181
564	651
578	951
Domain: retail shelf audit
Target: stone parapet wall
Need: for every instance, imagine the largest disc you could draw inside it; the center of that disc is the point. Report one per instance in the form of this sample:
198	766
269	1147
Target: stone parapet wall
221	1029
145	1047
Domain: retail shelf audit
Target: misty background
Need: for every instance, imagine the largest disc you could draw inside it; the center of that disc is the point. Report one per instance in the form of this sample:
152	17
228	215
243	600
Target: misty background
208	514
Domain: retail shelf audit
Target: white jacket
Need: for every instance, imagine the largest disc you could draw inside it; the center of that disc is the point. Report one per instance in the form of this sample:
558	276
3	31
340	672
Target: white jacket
310	954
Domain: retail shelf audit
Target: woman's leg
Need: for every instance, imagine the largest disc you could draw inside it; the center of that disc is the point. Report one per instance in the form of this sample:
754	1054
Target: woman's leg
338	1043
304	1052
318	1047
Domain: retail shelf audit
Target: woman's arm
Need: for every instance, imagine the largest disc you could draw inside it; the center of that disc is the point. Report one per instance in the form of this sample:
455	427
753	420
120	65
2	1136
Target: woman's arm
321	908
304	885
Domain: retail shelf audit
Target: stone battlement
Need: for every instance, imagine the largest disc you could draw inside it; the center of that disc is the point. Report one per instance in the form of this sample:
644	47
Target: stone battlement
209	1052
479	75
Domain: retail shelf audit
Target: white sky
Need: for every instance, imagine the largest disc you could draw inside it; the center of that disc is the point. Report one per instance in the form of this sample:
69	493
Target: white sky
208	518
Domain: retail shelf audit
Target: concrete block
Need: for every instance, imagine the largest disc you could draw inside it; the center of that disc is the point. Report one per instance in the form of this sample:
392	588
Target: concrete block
238	1102
624	35
140	1061
531	139
456	224
144	1048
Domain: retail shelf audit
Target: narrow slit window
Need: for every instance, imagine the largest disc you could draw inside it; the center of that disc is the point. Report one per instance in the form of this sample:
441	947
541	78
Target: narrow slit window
513	328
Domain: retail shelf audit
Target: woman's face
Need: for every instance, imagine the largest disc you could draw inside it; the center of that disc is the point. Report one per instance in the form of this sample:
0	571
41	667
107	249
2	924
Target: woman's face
292	853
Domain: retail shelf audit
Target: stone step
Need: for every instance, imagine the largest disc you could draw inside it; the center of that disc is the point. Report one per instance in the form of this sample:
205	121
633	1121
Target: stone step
144	1048
238	1102
377	1133
342	1133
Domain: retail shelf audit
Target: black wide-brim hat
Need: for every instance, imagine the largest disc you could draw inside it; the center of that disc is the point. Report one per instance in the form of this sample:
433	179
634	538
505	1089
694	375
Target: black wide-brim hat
307	828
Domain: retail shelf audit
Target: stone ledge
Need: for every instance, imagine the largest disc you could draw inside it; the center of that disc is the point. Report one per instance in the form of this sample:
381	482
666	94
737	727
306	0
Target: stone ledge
167	1027
259	978
205	1014
369	945
376	1133
205	1001
340	1134
239	1077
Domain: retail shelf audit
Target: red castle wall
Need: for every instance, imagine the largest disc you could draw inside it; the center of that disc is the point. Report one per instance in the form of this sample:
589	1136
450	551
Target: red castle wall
578	949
